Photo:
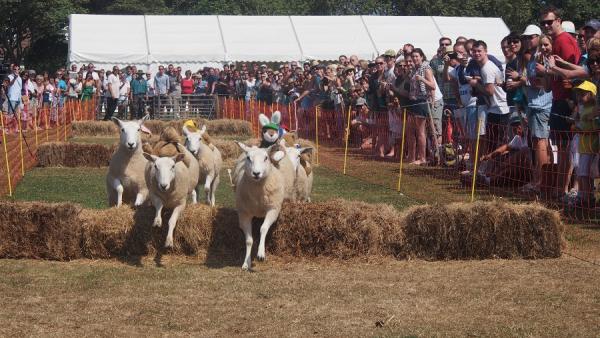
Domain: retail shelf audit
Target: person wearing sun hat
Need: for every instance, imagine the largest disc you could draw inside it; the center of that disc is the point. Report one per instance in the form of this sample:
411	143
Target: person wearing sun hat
589	144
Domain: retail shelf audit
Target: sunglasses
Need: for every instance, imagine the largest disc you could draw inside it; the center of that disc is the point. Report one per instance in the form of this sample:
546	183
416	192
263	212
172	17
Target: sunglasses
547	22
380	63
444	44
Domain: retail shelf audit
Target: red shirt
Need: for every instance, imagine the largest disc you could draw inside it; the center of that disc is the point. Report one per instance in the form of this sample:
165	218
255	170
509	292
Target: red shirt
187	86
566	47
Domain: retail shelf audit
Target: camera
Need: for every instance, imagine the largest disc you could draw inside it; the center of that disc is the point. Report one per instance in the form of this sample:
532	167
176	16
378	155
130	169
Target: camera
453	55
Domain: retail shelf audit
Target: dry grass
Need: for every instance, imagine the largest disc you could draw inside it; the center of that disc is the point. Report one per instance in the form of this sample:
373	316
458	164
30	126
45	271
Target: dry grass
65	154
301	298
337	228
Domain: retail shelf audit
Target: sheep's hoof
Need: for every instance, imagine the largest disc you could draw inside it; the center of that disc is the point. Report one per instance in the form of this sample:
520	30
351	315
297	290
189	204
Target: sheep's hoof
261	257
169	242
245	267
157	222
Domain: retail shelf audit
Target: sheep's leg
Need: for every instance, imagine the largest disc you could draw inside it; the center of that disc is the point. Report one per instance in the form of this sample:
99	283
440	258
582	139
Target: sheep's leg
139	199
207	183
116	184
172	222
270	218
194	196
213	189
158	205
246	226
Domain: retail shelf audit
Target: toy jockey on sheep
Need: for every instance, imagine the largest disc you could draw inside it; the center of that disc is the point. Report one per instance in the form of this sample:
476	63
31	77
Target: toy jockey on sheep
272	131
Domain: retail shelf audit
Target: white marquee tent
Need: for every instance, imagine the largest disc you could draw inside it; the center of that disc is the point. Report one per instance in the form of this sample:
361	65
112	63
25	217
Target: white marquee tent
195	41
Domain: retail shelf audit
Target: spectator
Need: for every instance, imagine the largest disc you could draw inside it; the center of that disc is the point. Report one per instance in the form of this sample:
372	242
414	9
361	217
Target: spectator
588	146
565	47
161	89
15	86
124	92
113	85
88	87
174	93
139	92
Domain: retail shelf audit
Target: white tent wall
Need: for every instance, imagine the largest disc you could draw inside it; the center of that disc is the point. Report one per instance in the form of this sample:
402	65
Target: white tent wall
196	41
111	39
188	39
392	32
490	30
327	37
259	38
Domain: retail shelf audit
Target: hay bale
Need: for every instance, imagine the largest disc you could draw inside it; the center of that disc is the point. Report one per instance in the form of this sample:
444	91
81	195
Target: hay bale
39	230
64	154
338	228
122	232
228	148
483	230
94	128
240	128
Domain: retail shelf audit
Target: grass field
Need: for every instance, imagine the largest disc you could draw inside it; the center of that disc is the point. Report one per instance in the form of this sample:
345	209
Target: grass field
288	296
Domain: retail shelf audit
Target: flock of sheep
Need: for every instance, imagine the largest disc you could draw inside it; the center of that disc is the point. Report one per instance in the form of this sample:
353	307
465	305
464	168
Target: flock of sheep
170	173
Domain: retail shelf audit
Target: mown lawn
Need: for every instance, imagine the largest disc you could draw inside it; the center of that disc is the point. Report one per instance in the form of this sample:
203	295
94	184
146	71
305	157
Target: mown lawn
87	187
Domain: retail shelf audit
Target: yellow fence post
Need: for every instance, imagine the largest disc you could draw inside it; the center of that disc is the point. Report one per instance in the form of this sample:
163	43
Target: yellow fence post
21	142
317	134
401	150
6	155
476	161
35	126
347	139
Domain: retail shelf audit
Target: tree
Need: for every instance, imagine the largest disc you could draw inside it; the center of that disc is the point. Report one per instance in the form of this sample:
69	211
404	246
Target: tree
25	23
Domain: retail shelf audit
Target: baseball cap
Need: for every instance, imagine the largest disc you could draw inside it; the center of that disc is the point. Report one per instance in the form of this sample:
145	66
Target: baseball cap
594	24
532	30
360	101
569	27
587	86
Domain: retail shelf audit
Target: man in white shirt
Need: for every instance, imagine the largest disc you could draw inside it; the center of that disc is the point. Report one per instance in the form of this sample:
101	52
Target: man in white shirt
15	86
489	87
113	83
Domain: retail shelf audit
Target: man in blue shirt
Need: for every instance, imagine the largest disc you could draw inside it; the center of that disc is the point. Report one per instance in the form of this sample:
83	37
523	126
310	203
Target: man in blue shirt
139	91
161	89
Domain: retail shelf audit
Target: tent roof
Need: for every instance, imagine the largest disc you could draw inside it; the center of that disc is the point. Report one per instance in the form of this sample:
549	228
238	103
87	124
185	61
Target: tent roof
146	40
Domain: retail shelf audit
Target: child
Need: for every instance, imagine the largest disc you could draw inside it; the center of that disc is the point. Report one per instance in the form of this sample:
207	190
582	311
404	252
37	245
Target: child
588	145
362	123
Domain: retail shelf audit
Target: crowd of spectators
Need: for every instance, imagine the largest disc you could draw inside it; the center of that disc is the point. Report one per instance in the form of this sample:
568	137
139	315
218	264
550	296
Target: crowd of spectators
546	85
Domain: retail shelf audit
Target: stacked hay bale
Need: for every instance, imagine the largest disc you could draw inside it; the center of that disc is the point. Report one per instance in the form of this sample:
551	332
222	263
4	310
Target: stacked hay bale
337	228
65	154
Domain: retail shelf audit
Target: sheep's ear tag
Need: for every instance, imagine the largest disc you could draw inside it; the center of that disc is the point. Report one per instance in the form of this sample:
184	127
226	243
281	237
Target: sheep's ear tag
263	119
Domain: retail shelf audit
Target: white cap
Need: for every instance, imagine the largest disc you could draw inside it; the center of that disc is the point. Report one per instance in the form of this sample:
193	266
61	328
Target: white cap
532	30
569	27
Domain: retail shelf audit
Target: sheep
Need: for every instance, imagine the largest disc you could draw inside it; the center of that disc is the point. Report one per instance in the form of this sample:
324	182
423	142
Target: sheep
304	177
209	160
125	180
259	193
168	145
169	184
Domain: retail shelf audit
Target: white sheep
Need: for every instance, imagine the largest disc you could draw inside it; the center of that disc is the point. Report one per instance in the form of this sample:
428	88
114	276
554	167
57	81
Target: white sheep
259	192
209	161
170	182
287	169
125	181
303	183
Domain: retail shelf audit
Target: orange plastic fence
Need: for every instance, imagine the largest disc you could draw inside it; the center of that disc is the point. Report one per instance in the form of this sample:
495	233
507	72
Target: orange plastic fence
22	133
561	172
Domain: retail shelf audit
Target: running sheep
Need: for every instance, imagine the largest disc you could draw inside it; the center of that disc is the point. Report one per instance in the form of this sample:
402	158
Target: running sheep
259	192
209	160
304	175
125	180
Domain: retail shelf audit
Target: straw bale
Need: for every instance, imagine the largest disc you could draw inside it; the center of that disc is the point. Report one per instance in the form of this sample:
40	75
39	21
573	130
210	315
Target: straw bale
229	127
94	128
39	230
121	232
483	230
228	148
66	154
338	228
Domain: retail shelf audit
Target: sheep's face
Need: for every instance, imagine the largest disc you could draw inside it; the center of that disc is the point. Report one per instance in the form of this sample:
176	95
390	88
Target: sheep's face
163	171
257	163
193	139
129	133
294	154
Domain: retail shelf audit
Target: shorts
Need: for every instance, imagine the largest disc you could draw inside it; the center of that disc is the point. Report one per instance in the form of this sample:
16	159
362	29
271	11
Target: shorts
13	106
588	165
559	125
537	121
418	108
473	115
